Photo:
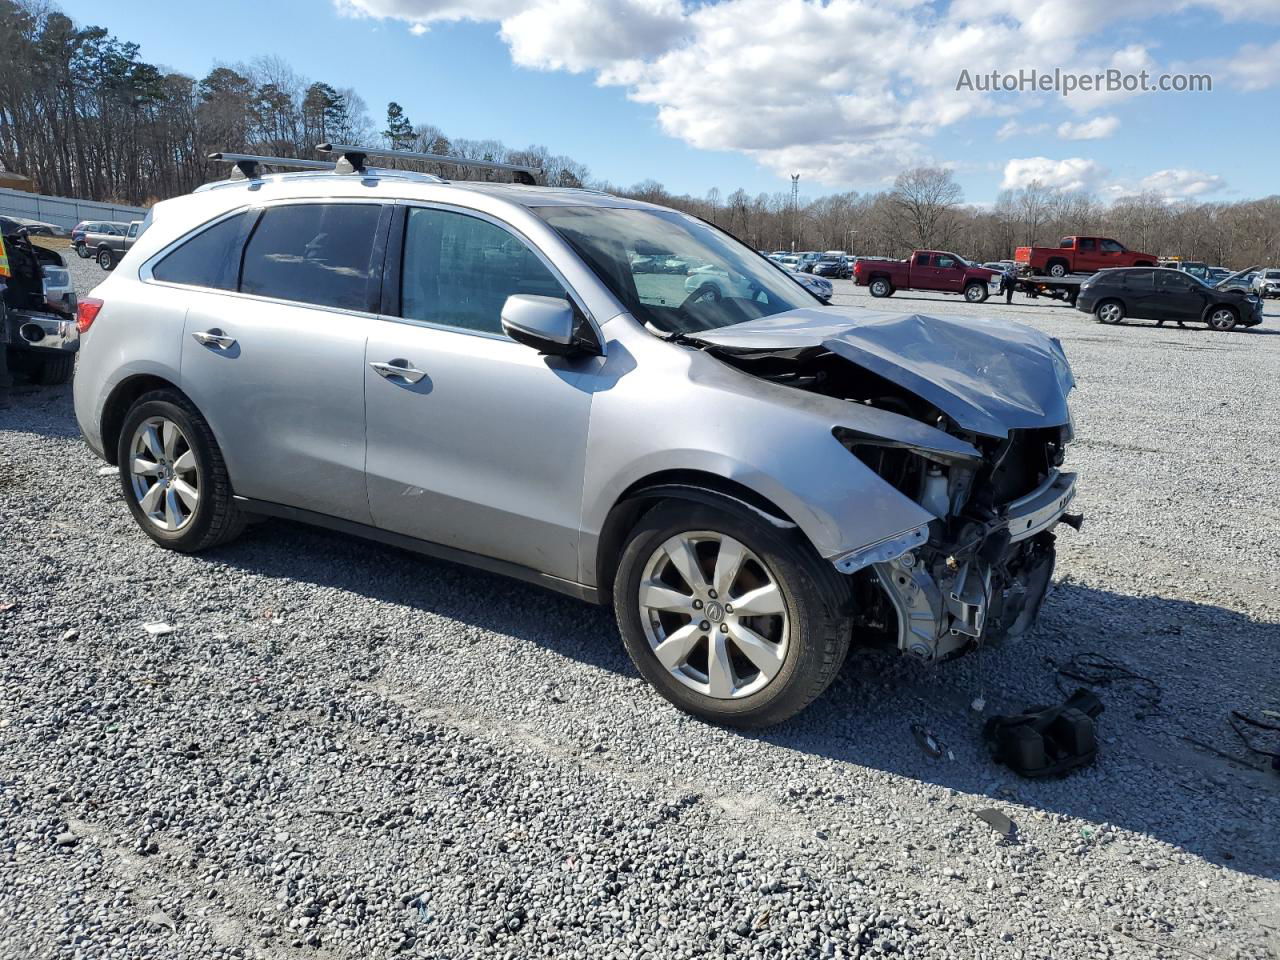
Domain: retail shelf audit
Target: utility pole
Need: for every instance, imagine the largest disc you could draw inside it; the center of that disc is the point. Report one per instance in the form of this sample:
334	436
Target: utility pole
795	206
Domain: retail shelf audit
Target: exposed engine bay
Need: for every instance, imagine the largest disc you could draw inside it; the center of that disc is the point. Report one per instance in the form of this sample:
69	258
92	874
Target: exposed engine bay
981	570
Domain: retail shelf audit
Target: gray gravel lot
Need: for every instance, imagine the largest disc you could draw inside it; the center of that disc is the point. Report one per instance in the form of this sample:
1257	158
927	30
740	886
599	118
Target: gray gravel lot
343	750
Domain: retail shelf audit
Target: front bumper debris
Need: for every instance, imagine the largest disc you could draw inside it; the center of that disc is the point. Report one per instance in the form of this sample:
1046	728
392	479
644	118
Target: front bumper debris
947	602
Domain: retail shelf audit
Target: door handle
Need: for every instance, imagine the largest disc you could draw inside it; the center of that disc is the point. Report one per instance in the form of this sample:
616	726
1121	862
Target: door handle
398	368
213	338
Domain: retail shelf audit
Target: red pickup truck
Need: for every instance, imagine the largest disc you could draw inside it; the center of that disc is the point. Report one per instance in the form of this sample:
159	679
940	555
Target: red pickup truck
1080	255
925	270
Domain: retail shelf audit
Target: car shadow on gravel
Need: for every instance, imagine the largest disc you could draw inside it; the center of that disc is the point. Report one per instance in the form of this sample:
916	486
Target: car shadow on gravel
1172	769
1206	659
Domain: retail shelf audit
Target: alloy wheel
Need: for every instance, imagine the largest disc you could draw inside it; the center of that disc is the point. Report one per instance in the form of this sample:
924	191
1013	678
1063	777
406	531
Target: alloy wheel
1110	313
1222	319
162	472
713	614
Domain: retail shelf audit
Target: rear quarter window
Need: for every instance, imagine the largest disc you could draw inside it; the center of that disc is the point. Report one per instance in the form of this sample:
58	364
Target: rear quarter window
210	258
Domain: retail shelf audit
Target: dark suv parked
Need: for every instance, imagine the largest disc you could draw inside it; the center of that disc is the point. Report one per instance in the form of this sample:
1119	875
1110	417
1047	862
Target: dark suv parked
1166	295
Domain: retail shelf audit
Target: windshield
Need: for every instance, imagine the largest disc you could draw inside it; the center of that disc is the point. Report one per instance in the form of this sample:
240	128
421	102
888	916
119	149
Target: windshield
1272	275
673	271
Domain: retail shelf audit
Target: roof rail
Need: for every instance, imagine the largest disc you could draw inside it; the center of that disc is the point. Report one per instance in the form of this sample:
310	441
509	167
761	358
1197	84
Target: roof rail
247	164
352	158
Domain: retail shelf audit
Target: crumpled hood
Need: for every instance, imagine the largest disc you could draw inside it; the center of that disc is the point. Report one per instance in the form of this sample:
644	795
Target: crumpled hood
990	376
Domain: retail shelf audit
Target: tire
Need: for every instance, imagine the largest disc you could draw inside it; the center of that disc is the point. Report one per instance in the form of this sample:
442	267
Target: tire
1110	312
215	519
54	369
880	287
106	259
976	293
1058	268
1222	318
812	629
82	250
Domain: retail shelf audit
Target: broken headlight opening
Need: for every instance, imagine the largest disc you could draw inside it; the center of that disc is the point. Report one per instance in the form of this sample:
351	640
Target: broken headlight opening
981	569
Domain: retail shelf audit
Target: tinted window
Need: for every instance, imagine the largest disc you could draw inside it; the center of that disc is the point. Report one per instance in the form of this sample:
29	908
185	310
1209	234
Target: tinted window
922	260
313	253
1138	281
1087	243
459	270
1066	241
1174	282
208	259
1110	246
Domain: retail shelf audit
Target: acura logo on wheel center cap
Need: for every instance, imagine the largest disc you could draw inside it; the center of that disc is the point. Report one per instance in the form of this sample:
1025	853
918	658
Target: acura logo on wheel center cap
715	612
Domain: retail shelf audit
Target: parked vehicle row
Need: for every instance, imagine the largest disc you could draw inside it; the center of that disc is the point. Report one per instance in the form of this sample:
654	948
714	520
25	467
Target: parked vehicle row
752	480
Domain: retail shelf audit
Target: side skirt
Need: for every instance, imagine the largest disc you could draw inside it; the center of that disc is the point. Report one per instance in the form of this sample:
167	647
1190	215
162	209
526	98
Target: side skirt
579	591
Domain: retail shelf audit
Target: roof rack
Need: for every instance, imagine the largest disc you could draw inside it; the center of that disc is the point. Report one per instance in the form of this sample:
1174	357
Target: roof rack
351	160
247	164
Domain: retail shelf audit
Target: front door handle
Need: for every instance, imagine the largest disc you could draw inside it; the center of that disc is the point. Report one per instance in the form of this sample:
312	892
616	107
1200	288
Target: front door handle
213	338
398	368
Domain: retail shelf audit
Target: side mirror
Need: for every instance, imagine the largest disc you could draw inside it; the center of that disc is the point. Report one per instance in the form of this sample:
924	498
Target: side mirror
545	323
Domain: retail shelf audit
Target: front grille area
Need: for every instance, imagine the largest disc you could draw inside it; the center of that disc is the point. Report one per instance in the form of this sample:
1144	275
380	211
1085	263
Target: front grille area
1021	463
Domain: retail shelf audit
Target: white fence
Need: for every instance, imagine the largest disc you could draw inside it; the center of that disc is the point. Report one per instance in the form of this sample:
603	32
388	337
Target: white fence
62	211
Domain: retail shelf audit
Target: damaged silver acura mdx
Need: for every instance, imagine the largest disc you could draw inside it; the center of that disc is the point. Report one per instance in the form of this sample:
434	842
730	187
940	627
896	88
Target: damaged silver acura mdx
518	378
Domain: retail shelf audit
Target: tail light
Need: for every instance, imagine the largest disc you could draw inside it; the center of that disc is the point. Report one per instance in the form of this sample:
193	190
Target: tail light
87	312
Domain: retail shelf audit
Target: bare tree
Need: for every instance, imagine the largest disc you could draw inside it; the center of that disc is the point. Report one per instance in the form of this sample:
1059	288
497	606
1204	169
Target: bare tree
924	198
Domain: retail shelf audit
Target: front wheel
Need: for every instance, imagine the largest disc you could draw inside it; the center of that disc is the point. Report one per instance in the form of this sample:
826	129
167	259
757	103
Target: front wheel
881	287
106	259
976	292
1222	318
730	618
173	476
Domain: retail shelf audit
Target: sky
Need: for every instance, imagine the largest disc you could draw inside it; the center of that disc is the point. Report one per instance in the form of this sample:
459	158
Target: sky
744	93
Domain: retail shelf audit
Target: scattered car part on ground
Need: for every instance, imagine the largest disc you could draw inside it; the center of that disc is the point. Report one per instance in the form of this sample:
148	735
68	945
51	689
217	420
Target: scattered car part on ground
1047	741
738	568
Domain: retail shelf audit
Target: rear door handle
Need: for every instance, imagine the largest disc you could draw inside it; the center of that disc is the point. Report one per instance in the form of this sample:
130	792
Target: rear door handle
398	368
213	338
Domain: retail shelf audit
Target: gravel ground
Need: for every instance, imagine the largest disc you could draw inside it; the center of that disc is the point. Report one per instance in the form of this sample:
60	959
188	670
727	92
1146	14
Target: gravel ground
343	750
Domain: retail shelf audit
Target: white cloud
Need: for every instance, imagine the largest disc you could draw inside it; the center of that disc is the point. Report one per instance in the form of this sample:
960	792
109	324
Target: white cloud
1099	128
1073	173
418	29
1179	184
1012	128
840	91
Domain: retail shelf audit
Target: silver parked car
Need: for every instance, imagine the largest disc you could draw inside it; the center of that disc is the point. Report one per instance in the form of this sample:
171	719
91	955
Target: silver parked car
481	372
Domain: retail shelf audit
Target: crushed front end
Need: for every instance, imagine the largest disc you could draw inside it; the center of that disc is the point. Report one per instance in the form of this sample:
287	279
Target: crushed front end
981	570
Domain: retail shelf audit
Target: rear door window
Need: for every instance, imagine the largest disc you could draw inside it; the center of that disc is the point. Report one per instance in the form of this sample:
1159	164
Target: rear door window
1087	243
458	270
1139	281
317	253
211	258
922	260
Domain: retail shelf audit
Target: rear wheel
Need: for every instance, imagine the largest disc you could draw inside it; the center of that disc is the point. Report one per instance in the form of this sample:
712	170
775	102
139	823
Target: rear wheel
1058	268
53	369
173	476
1109	311
83	251
106	259
880	287
975	292
1222	318
730	618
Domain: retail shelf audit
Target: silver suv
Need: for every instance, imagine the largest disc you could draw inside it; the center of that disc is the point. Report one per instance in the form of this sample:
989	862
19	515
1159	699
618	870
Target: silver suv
478	372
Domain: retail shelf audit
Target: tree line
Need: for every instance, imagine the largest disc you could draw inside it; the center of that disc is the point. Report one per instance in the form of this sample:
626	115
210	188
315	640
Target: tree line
84	116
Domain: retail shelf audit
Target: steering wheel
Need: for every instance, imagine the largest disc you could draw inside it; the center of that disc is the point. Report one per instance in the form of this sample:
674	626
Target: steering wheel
708	291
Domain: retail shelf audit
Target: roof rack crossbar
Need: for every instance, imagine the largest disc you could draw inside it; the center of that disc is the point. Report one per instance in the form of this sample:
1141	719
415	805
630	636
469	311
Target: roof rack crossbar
355	157
247	164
